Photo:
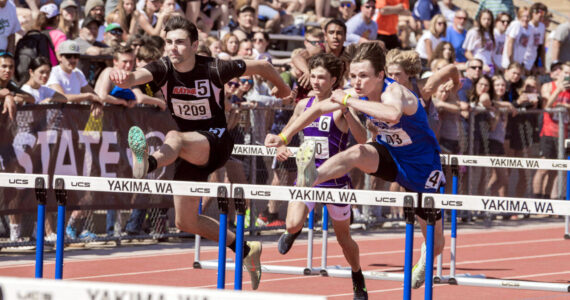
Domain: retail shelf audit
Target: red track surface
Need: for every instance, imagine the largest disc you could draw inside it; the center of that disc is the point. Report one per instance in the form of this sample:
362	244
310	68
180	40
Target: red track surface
536	253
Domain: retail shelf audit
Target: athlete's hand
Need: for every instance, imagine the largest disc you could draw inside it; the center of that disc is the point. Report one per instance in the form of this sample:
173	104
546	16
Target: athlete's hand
304	80
119	77
337	96
283	153
272	140
282	92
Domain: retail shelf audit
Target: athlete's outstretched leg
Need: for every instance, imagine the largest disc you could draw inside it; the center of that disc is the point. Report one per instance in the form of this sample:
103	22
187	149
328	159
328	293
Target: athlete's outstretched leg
363	156
296	214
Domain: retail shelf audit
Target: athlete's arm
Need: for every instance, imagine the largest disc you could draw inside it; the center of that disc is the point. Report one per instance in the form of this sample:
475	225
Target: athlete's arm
126	79
104	86
354	125
438	78
266	70
272	140
395	102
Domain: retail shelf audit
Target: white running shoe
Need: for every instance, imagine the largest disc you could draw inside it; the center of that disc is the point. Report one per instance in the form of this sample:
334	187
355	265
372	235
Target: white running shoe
139	148
419	270
306	170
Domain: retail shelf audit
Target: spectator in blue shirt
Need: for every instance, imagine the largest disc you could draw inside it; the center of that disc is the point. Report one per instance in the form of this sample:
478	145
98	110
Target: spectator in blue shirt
456	35
361	28
424	11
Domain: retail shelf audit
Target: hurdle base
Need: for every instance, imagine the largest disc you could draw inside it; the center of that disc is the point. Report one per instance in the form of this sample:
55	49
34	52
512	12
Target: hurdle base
289	270
567	236
346	272
513	284
452	281
197	265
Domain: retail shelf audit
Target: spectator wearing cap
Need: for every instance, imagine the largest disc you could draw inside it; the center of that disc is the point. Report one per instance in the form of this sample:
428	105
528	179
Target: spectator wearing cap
346	10
88	45
95	9
67	79
9	24
361	28
113	35
246	20
47	21
388	12
152	17
69	20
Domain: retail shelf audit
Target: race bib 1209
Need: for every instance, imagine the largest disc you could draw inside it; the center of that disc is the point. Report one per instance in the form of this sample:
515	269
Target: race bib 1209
192	109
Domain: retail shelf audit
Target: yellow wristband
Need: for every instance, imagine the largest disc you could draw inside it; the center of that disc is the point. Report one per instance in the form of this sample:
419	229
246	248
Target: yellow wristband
345	99
282	136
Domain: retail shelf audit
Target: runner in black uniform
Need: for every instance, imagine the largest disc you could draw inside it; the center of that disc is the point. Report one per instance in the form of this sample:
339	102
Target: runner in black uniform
194	86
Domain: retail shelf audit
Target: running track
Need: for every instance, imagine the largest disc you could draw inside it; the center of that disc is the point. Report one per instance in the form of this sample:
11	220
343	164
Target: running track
525	252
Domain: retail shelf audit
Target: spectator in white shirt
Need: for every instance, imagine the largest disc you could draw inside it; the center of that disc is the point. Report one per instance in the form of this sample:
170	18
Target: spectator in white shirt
430	38
39	70
9	24
501	23
536	46
518	38
361	28
66	79
480	41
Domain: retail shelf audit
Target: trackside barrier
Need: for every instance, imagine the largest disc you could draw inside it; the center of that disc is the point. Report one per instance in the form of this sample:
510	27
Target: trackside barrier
20	288
492	205
39	183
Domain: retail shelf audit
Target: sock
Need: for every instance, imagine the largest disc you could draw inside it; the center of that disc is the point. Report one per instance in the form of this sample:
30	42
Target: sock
151	163
358	280
246	248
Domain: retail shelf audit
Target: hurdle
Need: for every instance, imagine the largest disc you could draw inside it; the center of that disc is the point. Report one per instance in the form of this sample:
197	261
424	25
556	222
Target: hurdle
567	218
12	288
433	202
39	184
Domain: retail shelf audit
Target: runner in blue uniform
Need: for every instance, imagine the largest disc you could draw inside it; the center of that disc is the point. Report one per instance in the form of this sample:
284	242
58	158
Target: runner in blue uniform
328	133
405	150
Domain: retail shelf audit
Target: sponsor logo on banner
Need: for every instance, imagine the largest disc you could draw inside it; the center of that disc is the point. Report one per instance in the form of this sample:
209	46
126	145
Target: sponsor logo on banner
260	193
82	184
18	181
512	205
200	190
468	161
560	165
119	294
453	203
323	195
385	199
133	186
514	163
33	295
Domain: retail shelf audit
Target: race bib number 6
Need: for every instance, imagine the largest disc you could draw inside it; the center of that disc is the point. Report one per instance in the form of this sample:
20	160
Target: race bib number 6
192	110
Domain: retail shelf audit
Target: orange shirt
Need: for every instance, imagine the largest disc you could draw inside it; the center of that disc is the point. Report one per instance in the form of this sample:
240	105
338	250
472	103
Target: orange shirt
388	24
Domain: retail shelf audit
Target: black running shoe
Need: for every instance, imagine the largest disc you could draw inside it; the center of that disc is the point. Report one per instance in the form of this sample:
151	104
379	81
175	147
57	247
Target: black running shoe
360	294
286	241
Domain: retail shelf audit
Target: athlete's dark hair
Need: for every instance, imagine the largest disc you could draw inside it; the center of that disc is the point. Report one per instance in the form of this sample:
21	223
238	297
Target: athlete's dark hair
329	62
373	52
336	22
179	22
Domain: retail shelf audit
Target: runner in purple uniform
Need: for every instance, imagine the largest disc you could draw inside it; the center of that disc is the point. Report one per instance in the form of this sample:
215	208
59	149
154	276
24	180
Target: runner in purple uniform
329	133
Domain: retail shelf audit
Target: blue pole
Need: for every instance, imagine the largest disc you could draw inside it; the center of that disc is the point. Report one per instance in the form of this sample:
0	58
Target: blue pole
408	256
222	251
312	219
454	212
429	262
325	218
239	252
59	241
40	240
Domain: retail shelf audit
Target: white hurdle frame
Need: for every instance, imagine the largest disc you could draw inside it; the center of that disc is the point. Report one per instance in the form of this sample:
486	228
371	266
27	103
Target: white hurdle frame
513	205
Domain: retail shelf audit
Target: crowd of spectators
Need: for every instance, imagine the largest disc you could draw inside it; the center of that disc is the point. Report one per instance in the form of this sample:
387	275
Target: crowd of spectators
508	59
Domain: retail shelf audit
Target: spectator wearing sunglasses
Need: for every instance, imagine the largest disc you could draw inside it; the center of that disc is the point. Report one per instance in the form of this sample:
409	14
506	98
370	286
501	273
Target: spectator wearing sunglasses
501	23
361	28
10	25
113	35
388	12
535	50
67	79
88	44
346	10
